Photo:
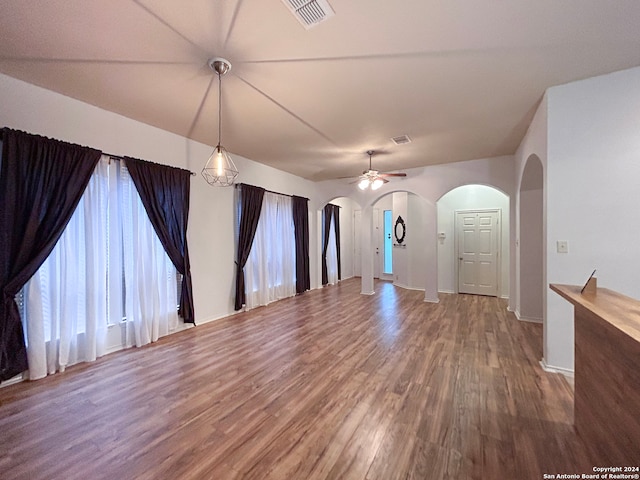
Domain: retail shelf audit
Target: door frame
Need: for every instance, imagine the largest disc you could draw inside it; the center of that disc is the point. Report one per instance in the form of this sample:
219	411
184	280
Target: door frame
456	254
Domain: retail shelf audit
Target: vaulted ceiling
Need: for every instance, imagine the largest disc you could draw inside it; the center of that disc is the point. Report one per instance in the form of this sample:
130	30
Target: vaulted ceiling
461	78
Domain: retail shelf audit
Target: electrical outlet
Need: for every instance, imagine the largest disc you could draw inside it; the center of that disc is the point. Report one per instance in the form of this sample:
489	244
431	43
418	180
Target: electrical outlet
562	246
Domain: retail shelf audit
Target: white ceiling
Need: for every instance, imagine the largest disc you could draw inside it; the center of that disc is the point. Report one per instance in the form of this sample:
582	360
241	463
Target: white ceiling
462	78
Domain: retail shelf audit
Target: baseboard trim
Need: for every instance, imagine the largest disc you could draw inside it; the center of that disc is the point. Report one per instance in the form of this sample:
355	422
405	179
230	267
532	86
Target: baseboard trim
551	369
407	287
431	300
220	317
12	381
531	320
367	293
527	319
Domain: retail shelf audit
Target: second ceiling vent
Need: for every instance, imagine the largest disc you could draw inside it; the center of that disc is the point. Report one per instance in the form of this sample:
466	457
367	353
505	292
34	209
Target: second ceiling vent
310	13
401	140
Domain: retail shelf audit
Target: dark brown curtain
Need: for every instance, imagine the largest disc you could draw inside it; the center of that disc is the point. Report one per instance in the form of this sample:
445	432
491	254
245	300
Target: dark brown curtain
164	192
301	225
250	207
41	183
336	224
326	225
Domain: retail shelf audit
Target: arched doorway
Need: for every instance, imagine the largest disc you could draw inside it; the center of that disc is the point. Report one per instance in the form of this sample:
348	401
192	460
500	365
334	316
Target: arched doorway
479	201
531	241
398	239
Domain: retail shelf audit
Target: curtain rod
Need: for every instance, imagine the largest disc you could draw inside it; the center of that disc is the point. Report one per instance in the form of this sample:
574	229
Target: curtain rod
110	155
118	157
239	185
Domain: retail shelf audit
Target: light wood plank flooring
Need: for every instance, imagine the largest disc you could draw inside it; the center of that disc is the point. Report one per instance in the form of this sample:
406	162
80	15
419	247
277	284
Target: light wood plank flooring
328	385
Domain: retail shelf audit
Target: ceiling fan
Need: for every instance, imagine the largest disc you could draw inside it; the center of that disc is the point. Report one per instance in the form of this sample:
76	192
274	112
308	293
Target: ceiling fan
373	178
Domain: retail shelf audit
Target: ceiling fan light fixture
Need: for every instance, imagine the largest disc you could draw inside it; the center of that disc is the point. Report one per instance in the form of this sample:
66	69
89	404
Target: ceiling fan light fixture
377	183
363	184
220	171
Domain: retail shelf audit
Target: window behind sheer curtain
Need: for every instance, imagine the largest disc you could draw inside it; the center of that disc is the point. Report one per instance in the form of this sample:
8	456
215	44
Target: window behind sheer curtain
270	272
107	267
332	254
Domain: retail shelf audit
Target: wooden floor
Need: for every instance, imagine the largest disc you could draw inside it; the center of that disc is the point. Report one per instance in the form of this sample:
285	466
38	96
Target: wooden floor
331	384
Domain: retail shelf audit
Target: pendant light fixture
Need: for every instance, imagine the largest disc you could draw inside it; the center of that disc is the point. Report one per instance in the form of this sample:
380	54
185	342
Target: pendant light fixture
220	171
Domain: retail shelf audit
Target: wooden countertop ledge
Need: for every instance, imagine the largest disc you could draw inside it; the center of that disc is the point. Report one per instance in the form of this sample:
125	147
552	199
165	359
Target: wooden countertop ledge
614	308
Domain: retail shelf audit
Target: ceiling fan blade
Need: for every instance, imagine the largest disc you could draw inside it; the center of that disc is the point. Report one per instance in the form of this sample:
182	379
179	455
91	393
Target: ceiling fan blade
349	176
392	174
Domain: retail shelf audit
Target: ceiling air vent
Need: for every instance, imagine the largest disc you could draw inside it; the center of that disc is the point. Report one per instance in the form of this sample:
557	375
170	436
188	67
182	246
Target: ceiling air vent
401	140
310	12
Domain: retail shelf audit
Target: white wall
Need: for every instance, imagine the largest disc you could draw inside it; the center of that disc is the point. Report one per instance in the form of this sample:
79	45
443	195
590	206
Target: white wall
593	177
416	241
400	253
470	197
211	219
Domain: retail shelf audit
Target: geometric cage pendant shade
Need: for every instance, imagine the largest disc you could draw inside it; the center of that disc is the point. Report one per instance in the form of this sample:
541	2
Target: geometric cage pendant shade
220	169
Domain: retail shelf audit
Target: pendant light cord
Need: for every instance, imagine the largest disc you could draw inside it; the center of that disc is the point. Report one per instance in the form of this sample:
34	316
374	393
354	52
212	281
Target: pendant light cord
219	107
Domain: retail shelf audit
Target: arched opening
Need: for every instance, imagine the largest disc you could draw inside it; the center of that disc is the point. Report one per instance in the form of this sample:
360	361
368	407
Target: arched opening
473	241
399	236
531	241
405	258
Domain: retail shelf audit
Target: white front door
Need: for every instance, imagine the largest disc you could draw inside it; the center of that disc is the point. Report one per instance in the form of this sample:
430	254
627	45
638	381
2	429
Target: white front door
478	235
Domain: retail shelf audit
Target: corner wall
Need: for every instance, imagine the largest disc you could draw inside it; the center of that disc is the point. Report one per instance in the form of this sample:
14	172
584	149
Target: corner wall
593	172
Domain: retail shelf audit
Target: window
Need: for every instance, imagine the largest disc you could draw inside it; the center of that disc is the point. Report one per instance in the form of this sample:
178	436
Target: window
270	271
108	266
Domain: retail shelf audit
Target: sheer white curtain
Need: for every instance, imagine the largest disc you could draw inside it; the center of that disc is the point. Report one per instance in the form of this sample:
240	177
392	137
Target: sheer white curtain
332	255
108	264
65	311
150	278
270	272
